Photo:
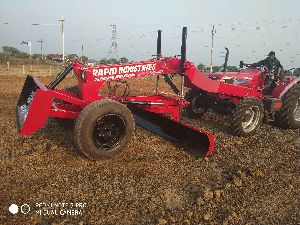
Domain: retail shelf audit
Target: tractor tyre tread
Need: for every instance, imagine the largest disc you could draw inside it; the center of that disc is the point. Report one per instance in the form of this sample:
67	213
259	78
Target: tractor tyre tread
285	117
238	116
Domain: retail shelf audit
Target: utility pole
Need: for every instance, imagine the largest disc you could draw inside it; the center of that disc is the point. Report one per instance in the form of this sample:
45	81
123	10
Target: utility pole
63	39
29	44
213	31
41	41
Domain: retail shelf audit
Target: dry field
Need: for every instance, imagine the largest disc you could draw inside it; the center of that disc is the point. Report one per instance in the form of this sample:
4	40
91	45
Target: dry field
20	70
253	180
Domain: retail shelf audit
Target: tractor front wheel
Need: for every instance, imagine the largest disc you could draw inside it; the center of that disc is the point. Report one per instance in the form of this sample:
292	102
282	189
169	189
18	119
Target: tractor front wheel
247	117
103	129
289	115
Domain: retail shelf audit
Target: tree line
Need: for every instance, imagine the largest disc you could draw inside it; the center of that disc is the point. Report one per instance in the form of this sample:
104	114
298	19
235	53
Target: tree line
204	68
14	54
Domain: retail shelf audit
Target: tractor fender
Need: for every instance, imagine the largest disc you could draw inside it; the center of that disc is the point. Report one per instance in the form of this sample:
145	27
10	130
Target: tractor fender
281	90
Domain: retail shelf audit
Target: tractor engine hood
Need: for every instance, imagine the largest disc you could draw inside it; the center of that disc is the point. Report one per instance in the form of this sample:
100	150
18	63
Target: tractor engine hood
244	75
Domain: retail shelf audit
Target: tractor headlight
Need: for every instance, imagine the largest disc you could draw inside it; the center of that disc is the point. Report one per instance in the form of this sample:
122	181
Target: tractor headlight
83	74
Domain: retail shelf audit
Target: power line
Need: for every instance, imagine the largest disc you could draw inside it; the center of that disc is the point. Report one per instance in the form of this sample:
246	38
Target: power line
113	50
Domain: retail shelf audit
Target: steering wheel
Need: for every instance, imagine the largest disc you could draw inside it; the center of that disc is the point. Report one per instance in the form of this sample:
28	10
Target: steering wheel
248	65
265	69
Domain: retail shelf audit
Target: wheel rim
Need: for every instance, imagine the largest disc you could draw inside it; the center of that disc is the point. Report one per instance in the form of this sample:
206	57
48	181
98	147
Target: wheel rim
251	119
109	131
198	105
297	111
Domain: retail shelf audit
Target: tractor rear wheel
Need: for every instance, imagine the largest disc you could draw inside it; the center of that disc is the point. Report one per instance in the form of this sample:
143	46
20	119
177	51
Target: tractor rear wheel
67	124
289	115
247	117
198	104
103	129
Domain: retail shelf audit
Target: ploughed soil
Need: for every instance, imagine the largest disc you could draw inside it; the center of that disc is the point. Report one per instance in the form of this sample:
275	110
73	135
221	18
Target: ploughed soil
247	180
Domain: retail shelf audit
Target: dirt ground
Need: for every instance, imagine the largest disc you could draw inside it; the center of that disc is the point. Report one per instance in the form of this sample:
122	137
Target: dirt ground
18	69
252	180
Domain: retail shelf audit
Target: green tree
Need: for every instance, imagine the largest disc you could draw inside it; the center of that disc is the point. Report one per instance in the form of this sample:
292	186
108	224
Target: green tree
124	60
36	56
296	72
221	68
14	52
3	57
201	67
232	69
287	73
113	60
103	61
217	69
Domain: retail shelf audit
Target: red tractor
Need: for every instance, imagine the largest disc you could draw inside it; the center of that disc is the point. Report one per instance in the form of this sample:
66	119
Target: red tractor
281	105
103	125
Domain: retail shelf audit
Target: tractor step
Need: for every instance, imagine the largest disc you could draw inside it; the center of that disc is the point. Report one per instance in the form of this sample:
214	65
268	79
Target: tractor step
196	141
272	104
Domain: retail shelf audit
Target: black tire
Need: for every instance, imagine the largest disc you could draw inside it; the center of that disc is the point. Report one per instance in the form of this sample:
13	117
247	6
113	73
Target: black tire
103	129
67	124
198	103
247	117
289	115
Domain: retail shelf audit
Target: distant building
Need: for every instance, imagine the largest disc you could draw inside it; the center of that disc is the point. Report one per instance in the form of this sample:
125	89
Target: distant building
55	57
72	57
58	57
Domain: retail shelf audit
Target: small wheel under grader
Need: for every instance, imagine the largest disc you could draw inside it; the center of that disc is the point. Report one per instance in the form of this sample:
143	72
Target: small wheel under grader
197	106
103	129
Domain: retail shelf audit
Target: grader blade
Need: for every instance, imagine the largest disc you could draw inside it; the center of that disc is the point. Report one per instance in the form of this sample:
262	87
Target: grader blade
194	140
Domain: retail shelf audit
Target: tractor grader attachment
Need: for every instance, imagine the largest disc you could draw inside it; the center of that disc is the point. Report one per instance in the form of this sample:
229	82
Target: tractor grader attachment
36	104
103	125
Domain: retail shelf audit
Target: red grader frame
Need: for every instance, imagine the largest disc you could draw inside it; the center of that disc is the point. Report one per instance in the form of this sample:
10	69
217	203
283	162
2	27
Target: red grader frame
104	124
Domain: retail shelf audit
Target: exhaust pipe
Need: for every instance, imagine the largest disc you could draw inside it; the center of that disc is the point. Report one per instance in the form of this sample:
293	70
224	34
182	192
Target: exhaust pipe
183	59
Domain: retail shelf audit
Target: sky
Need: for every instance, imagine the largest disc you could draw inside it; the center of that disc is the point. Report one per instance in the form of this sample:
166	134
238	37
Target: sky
249	28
